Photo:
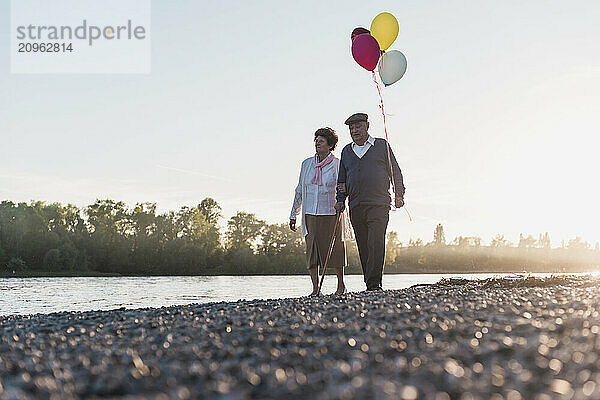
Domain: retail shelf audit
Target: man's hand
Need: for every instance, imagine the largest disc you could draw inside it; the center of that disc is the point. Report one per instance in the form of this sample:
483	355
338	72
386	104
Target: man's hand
293	224
399	202
339	207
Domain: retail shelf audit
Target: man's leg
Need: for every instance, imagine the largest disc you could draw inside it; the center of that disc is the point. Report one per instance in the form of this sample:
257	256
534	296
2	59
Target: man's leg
377	220
359	224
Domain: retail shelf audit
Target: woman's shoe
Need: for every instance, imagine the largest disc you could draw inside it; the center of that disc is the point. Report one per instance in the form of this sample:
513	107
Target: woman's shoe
344	291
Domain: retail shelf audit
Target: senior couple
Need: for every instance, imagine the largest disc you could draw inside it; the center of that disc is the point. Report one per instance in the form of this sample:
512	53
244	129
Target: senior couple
362	176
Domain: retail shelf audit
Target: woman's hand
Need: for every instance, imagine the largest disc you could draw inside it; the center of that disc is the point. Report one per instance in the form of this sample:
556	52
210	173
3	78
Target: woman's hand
293	224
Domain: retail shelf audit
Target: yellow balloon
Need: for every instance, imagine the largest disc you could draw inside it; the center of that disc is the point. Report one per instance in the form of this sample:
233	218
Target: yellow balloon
385	29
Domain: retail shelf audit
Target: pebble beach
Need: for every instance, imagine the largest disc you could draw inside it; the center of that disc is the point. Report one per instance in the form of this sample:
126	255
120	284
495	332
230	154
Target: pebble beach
522	338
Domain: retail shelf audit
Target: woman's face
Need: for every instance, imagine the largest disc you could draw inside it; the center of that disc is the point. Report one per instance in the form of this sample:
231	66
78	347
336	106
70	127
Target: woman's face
321	145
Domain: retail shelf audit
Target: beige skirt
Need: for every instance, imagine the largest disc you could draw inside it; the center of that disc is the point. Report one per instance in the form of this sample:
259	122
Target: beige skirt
320	230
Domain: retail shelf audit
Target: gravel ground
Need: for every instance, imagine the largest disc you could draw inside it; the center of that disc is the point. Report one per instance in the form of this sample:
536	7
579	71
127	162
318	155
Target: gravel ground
526	338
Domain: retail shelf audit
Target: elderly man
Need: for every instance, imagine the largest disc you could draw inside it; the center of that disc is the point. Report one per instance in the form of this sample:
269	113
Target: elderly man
364	177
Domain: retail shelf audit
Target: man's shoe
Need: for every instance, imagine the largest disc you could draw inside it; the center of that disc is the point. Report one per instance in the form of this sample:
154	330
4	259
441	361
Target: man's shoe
374	288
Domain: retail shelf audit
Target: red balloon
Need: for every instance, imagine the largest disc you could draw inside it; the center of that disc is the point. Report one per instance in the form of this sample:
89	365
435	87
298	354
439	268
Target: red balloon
358	31
365	51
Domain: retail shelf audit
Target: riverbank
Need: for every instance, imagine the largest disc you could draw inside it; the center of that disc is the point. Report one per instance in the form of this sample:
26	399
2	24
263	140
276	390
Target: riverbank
57	274
84	274
534	338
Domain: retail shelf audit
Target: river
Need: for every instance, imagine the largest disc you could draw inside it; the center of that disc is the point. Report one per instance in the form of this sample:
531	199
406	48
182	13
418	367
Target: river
47	295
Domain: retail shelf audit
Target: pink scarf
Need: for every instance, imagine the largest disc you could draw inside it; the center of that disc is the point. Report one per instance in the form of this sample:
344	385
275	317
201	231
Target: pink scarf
316	180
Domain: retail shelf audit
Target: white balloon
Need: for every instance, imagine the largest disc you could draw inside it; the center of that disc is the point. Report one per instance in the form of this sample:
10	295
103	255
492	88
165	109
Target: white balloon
392	66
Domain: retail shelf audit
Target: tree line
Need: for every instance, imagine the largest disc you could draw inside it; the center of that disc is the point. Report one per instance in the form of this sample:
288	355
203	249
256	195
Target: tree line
109	237
468	254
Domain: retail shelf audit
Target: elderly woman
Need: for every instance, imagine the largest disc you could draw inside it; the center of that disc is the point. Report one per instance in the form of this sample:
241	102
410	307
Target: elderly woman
315	194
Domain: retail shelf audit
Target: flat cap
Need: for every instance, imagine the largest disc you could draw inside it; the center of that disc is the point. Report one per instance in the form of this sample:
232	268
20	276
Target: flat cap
358	117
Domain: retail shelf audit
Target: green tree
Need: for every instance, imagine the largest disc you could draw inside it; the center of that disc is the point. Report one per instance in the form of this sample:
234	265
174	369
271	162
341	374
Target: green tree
500	241
243	230
278	239
108	217
52	260
166	230
192	225
415	243
110	241
467	241
544	241
70	218
16	264
353	257
204	234
392	248
578	244
37	237
211	210
7	226
3	255
438	236
70	258
146	243
526	242
143	220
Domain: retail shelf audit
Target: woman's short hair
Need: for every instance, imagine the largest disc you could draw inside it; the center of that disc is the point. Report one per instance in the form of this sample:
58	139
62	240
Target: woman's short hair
329	135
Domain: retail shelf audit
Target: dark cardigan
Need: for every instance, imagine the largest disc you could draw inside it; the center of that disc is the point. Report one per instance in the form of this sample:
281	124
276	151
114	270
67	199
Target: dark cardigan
367	179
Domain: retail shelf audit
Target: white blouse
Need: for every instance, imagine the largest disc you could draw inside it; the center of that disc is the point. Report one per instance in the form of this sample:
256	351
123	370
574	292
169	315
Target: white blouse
318	199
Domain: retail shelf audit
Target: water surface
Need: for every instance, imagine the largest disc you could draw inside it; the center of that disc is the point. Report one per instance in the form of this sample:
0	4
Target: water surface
46	295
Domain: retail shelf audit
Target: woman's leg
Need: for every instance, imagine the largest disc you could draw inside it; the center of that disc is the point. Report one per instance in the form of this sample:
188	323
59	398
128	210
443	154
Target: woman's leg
341	287
314	276
312	255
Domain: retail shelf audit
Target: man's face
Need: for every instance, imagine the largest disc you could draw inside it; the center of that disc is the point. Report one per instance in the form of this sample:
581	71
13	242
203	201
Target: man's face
359	132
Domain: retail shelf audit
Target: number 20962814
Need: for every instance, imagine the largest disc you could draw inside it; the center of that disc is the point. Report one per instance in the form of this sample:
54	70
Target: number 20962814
45	47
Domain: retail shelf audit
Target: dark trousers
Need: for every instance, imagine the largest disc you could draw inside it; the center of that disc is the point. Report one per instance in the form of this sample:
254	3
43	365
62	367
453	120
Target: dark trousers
369	224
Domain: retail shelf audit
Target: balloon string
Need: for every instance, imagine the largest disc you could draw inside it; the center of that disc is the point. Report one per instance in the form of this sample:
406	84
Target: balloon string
387	142
407	213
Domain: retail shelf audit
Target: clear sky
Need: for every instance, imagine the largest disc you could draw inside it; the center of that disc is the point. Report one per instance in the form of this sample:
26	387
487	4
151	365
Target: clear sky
495	124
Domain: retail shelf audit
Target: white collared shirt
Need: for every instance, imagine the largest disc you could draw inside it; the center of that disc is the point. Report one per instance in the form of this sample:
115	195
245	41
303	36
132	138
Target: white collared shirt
360	151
